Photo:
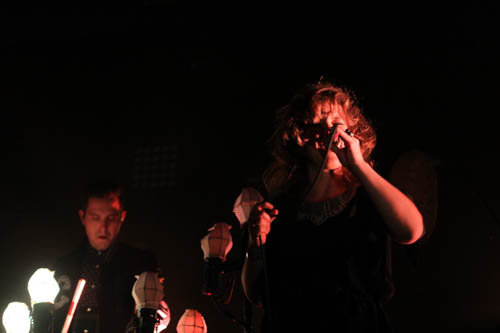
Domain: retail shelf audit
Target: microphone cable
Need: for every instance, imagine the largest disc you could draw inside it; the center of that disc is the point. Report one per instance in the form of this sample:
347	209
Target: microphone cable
330	142
262	252
266	284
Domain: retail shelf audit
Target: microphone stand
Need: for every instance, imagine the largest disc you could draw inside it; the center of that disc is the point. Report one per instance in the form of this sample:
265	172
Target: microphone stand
247	316
210	284
210	289
246	323
247	326
266	285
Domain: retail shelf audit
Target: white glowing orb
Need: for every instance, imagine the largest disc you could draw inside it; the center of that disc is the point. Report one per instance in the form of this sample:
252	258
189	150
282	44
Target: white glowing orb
42	286
16	318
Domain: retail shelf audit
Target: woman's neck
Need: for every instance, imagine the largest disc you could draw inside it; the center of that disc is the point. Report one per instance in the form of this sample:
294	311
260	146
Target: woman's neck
329	185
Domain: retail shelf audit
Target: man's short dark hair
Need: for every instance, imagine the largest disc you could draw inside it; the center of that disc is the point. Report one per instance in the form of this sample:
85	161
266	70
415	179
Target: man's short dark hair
102	189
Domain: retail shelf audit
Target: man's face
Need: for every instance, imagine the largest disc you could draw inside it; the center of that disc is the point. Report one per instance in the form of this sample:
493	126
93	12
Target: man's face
102	221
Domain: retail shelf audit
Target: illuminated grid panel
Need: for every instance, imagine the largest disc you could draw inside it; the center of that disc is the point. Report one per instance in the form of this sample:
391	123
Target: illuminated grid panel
155	167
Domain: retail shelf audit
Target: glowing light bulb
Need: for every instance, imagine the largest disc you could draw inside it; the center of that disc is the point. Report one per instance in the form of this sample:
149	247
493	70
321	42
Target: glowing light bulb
191	322
42	286
16	318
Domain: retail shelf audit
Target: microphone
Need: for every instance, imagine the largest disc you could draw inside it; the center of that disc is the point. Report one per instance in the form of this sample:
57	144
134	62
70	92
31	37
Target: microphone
244	204
148	294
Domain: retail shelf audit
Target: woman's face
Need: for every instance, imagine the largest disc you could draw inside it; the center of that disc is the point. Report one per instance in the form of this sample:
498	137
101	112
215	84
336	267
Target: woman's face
317	131
328	114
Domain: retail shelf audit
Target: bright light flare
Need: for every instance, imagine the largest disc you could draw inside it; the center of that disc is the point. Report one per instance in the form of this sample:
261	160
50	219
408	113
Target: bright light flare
42	286
16	318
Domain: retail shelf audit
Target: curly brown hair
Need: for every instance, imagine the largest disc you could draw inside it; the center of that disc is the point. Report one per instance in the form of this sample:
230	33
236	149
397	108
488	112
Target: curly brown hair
292	119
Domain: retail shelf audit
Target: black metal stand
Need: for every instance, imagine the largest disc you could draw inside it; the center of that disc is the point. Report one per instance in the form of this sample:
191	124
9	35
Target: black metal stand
266	286
211	271
42	319
146	320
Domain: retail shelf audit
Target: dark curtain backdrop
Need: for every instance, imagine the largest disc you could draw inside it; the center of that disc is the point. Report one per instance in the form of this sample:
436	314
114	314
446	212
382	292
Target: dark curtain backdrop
176	100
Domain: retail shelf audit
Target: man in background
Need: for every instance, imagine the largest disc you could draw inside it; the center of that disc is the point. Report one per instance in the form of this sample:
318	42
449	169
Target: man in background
108	266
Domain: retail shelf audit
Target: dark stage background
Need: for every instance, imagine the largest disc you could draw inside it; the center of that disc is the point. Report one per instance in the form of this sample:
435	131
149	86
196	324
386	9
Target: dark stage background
176	99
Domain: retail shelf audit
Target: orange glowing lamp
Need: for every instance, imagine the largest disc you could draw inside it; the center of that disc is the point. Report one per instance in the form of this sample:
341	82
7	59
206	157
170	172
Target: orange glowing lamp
191	322
218	242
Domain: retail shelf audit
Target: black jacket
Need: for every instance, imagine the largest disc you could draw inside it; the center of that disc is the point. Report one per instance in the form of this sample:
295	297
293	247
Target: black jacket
106	304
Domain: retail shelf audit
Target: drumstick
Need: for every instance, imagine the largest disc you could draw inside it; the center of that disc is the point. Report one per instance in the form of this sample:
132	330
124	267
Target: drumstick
74	303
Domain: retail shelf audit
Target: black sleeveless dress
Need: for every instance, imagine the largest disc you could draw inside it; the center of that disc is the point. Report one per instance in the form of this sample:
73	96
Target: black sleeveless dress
330	274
